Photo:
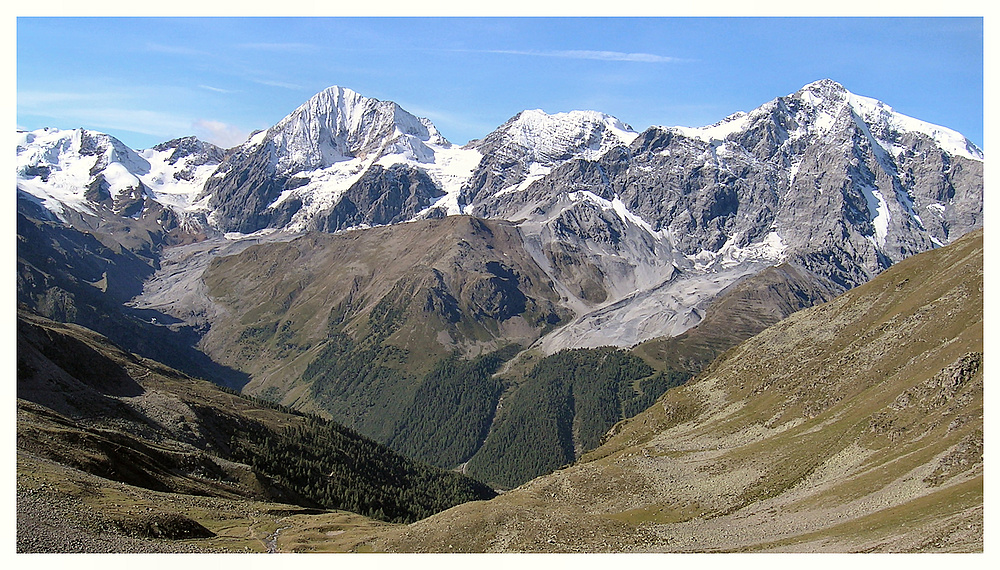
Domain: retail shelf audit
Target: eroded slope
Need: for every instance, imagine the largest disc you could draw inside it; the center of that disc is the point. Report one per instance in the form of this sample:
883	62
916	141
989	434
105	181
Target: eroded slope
856	425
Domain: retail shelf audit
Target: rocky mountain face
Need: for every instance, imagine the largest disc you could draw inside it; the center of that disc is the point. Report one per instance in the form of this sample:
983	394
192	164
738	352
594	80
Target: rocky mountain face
824	179
853	426
341	160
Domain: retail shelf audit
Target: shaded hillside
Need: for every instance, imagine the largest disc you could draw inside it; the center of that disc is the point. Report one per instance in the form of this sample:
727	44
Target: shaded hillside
561	408
856	425
567	401
85	404
71	276
367	327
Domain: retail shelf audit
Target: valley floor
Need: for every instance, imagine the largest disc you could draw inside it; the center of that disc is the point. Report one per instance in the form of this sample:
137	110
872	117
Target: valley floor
60	509
64	510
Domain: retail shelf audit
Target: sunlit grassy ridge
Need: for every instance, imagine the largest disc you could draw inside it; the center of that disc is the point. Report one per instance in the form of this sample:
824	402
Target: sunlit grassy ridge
856	425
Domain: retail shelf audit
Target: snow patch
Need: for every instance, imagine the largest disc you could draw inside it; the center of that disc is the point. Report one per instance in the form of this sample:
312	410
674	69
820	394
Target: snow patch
256	139
237	236
536	172
618	207
793	170
875	111
718	131
878	210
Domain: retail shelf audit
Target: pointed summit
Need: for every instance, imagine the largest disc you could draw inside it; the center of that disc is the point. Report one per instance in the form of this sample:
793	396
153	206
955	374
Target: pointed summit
824	86
339	124
338	145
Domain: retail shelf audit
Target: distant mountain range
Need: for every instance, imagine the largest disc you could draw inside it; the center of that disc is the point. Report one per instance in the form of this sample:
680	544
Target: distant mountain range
351	262
837	183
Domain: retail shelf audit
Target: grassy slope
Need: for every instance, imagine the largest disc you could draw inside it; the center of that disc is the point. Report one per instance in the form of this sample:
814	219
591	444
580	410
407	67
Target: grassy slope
120	422
856	425
358	326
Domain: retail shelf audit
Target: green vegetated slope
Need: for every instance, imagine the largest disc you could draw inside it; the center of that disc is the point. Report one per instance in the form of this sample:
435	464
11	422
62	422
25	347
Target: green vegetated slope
856	425
563	406
567	402
399	332
87	405
371	327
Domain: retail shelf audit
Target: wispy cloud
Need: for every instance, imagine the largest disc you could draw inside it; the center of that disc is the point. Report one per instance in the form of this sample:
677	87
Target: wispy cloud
141	121
36	99
103	111
175	49
216	89
593	55
219	133
281	84
279	47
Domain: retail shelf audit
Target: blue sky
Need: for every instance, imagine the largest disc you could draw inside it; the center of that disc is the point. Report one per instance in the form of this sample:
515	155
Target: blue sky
147	80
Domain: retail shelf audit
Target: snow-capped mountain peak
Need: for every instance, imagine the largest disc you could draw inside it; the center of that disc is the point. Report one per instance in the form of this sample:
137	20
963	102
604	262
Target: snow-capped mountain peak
531	144
337	141
338	124
820	106
192	150
547	139
81	169
60	167
886	125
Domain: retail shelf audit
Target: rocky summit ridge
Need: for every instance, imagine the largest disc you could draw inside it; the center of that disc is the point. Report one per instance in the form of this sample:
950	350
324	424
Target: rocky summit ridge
637	230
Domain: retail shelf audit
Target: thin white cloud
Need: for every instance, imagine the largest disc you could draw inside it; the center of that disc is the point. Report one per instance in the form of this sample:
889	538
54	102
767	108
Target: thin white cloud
176	50
151	123
593	55
279	47
281	84
219	133
34	99
103	111
216	89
